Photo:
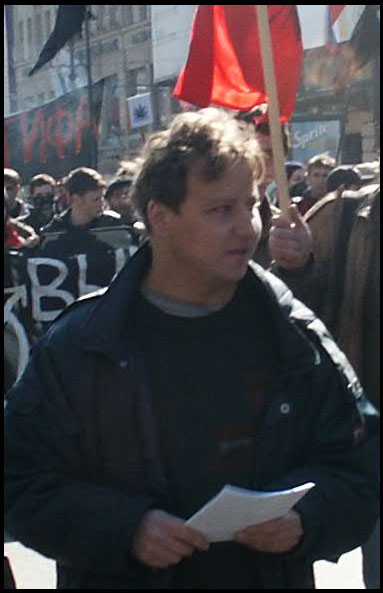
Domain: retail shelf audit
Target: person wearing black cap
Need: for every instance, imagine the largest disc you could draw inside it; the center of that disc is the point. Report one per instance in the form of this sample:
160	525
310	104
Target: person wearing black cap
296	178
117	198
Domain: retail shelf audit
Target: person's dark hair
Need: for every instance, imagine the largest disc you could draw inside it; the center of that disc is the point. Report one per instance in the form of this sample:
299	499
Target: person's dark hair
82	180
209	136
39	180
118	183
292	166
343	175
11	176
263	127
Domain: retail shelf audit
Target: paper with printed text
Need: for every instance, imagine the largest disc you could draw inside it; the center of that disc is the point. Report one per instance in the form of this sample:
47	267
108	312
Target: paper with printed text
233	509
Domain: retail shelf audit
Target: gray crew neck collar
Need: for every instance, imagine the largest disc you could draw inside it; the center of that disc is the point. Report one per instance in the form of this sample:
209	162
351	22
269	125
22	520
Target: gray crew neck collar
175	307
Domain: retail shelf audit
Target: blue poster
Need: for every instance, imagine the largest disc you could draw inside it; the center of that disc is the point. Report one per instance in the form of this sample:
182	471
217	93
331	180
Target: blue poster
309	138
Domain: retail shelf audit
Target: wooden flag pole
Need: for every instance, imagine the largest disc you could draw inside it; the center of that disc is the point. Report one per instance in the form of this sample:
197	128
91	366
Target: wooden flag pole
273	107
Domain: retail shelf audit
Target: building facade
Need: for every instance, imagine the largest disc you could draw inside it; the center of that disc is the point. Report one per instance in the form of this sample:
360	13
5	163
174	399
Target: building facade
142	48
353	104
121	52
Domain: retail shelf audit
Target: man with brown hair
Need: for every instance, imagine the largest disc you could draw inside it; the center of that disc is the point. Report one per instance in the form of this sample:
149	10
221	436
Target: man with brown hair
193	370
85	188
319	168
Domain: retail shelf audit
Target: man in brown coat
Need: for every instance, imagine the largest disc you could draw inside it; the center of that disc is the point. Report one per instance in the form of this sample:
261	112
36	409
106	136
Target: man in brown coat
330	259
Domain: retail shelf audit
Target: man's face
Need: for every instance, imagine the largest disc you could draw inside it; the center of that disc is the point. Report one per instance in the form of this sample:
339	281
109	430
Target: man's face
90	205
120	201
42	198
212	237
13	189
43	190
317	180
298	176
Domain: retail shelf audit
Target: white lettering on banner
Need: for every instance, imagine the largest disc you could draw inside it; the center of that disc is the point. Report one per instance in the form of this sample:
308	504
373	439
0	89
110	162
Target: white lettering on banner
301	140
18	293
40	291
83	287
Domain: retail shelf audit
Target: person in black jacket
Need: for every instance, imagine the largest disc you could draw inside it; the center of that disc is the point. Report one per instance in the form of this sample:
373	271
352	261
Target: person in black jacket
194	369
42	189
85	189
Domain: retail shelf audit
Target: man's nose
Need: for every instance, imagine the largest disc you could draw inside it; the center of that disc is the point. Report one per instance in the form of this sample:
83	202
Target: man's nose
244	222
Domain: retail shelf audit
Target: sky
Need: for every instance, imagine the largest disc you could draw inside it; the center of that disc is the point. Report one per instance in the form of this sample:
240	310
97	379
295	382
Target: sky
313	20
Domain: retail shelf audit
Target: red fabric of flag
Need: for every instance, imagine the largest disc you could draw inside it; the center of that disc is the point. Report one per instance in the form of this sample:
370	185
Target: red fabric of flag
335	10
224	66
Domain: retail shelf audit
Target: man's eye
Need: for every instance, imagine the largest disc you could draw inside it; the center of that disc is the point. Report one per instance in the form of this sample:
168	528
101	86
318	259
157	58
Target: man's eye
223	209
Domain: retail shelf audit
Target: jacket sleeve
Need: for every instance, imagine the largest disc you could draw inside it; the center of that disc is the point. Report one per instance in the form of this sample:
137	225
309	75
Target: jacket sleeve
337	430
49	505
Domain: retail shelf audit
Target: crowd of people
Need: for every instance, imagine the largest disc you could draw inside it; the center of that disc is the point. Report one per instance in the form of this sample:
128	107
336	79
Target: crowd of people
199	367
82	200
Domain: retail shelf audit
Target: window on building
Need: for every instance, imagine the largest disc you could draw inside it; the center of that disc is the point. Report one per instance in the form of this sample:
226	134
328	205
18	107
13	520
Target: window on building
143	12
101	20
30	37
21	40
38	33
127	14
48	26
93	22
113	16
135	79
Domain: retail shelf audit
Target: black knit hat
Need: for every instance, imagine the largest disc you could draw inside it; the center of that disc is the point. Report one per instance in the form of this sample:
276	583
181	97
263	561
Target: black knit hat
292	166
118	183
343	175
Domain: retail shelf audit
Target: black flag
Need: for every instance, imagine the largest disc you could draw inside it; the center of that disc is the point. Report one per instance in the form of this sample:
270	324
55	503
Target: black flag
365	39
68	22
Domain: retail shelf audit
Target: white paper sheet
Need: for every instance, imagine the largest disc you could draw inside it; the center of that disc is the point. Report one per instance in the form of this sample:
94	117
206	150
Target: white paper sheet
234	508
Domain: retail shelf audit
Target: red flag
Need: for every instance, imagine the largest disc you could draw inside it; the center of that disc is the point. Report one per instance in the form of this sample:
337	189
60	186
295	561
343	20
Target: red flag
224	66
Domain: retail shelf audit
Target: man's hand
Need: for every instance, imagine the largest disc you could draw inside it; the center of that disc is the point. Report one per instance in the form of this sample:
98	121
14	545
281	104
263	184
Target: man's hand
163	540
274	537
290	240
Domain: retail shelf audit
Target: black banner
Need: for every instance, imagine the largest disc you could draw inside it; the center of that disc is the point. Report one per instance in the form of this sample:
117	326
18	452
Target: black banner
41	283
54	138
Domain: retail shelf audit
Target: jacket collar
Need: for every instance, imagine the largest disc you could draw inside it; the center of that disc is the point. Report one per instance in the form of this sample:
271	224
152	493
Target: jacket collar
296	353
109	327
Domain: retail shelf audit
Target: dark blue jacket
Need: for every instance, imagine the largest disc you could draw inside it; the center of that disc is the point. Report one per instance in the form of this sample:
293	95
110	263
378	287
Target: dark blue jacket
83	465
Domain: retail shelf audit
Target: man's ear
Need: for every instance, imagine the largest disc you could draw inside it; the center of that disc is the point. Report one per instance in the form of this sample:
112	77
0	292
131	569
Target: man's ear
75	198
158	217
